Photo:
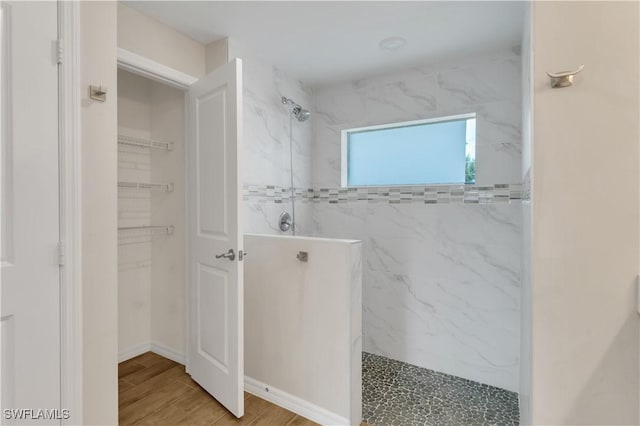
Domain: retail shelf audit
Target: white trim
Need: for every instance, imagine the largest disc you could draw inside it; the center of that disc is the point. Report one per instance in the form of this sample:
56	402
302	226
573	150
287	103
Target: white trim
344	158
444	119
293	403
187	224
134	352
166	352
70	213
156	348
153	70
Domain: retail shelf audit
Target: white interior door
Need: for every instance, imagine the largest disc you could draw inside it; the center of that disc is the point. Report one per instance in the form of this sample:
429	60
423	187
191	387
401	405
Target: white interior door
29	279
215	357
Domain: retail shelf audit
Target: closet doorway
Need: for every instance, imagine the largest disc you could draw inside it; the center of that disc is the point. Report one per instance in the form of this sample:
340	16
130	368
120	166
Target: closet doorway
180	252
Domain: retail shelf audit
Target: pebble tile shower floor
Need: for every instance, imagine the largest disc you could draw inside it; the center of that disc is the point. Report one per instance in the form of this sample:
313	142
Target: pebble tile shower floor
397	393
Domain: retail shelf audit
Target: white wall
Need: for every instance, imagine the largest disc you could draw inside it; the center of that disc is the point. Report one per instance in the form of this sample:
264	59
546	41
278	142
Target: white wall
216	54
585	214
134	209
442	281
302	324
168	279
99	215
147	37
266	143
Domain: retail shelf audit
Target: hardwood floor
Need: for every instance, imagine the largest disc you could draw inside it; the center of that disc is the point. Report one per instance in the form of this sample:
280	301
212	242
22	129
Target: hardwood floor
153	390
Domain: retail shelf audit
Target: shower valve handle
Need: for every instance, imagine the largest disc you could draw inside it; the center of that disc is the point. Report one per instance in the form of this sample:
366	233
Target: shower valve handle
228	255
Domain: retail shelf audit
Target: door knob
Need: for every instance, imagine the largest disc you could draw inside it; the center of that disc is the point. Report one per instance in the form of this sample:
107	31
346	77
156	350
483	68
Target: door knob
228	255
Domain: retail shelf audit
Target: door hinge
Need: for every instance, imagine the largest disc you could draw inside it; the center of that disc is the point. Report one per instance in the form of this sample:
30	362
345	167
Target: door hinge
59	51
61	253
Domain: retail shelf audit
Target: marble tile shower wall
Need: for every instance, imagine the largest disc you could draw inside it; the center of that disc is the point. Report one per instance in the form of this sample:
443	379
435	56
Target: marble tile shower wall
266	143
441	282
488	85
442	270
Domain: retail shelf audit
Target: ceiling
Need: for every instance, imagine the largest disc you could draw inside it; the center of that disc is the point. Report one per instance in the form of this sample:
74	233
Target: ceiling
326	41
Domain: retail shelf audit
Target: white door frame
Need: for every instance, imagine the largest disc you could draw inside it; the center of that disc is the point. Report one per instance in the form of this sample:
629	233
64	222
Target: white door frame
153	70
70	184
70	143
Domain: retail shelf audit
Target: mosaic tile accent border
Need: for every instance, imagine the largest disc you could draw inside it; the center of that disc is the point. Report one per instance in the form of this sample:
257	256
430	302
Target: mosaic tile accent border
435	194
397	393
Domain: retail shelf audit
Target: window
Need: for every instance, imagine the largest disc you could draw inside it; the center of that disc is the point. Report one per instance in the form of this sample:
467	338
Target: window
434	151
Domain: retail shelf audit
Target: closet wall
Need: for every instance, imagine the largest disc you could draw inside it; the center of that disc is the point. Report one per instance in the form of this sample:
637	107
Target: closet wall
151	269
143	35
168	278
134	209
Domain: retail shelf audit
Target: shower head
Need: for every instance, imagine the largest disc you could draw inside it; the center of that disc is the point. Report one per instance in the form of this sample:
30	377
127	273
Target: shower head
301	114
297	111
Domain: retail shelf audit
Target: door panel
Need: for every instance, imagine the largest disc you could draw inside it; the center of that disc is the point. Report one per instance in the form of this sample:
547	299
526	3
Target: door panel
215	357
29	279
213	343
210	121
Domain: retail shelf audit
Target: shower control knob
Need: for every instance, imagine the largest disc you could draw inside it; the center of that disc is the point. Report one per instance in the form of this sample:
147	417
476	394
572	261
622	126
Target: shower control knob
285	221
228	255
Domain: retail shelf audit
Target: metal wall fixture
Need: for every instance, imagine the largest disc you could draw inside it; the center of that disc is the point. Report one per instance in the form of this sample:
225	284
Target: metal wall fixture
563	78
297	111
303	256
98	93
300	114
284	222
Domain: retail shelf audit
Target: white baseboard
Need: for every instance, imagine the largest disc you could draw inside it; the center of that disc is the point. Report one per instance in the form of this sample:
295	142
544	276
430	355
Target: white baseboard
166	352
155	348
293	403
134	352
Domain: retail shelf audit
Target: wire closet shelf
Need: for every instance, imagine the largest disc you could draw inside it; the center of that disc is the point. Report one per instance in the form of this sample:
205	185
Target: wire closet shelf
146	186
137	234
144	143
